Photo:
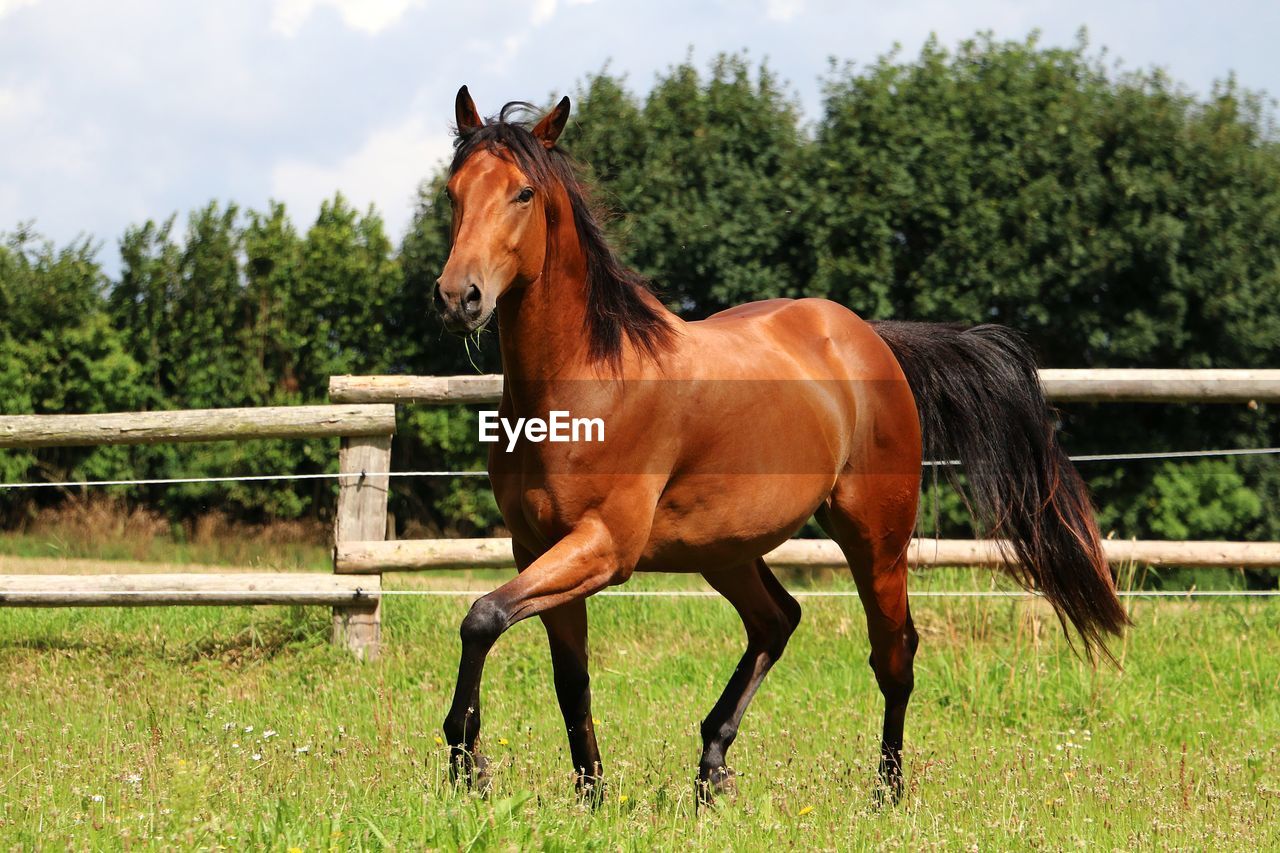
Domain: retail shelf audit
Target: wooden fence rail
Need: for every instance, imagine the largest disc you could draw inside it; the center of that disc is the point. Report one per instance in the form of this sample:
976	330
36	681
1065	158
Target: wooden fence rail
339	591
424	554
196	425
1062	386
365	454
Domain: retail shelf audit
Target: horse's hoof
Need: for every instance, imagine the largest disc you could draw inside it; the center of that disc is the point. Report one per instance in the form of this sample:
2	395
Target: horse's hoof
481	780
591	790
716	782
470	769
888	791
889	787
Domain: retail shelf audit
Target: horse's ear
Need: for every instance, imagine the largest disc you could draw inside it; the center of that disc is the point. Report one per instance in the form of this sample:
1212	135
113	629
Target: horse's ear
548	130
465	112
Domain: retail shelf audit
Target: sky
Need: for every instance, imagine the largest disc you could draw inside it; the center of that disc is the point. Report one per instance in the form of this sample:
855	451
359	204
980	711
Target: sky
112	113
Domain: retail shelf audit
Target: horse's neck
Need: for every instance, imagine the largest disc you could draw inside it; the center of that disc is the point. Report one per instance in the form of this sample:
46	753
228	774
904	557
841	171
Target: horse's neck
542	326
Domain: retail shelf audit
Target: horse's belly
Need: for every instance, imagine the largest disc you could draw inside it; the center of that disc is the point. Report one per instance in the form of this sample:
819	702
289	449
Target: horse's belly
705	522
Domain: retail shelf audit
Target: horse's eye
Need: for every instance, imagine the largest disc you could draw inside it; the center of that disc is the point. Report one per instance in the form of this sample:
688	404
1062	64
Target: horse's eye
525	195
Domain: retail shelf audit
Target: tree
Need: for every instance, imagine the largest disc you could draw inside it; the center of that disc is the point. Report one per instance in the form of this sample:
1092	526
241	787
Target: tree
709	173
277	333
1114	220
58	353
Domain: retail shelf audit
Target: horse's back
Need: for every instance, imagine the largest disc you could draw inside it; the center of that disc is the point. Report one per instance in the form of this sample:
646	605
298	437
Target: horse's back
816	338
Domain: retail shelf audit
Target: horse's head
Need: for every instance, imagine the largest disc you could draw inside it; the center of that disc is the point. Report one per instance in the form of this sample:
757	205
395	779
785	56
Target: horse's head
498	187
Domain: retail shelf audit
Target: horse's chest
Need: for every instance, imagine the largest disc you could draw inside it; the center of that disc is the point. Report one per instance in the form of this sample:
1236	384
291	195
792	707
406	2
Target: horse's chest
530	514
535	513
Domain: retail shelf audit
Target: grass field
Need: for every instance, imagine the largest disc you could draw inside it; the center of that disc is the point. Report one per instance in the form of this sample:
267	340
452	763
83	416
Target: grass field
234	727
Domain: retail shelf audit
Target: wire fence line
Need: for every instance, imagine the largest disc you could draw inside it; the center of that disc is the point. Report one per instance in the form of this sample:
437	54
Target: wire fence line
707	593
359	593
1172	454
252	478
834	593
648	594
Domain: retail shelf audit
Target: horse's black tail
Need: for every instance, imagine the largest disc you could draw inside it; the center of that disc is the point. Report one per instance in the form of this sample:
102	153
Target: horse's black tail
980	401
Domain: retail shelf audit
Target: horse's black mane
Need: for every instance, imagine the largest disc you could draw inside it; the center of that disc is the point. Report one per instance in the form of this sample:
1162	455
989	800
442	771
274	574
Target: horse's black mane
617	307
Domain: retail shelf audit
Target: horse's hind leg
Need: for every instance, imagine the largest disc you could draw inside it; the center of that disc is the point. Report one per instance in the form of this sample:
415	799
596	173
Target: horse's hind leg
770	616
874	534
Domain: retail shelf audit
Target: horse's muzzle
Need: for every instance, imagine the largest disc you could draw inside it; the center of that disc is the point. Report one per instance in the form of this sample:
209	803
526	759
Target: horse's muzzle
463	314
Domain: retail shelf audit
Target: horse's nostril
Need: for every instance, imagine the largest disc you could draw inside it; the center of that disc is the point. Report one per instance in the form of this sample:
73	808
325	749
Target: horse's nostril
437	298
471	300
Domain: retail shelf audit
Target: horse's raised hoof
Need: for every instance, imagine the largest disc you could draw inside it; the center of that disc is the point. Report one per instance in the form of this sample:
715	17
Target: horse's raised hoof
716	782
591	790
470	769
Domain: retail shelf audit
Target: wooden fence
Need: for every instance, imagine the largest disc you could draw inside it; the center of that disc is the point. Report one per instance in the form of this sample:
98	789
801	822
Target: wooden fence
1248	387
364	459
363	416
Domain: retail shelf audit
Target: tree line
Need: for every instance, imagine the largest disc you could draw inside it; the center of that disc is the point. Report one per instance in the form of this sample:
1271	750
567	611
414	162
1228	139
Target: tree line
1113	217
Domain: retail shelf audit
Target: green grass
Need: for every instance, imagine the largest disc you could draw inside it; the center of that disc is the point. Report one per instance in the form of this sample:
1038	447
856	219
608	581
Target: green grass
293	552
149	728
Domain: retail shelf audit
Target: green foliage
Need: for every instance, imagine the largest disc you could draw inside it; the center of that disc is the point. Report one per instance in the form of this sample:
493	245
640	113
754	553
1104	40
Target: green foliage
59	353
279	334
347	279
710	174
1194	501
1114	219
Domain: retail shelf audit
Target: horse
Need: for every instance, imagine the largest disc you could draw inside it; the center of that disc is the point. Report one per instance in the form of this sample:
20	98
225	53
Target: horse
724	436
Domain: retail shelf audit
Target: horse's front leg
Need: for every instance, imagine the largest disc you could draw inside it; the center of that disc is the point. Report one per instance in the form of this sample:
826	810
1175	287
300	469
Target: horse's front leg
583	562
567	632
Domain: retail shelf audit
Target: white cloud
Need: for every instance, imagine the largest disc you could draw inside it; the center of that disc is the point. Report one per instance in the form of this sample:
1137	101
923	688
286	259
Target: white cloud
384	171
30	135
367	16
783	10
543	11
9	207
18	104
7	6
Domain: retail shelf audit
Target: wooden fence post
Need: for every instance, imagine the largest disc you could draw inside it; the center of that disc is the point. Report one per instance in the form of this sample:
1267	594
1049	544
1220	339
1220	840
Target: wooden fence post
361	517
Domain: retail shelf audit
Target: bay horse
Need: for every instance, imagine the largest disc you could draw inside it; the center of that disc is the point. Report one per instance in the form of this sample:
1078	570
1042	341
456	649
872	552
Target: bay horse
724	436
